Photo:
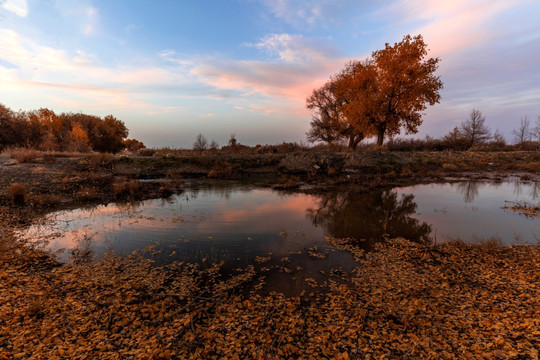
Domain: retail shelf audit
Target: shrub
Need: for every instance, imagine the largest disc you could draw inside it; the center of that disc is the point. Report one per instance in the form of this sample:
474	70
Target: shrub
49	159
23	155
147	152
17	193
102	160
87	194
449	167
46	200
221	169
127	189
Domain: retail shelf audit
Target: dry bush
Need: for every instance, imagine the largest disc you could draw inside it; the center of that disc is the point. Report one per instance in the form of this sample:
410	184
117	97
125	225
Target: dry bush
333	172
102	160
449	167
532	166
405	171
427	144
527	146
17	193
168	188
24	155
96	178
489	244
146	152
46	200
49	159
127	189
87	194
221	169
288	183
125	171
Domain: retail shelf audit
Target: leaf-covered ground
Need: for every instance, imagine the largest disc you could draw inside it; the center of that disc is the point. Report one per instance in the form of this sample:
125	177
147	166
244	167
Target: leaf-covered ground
404	300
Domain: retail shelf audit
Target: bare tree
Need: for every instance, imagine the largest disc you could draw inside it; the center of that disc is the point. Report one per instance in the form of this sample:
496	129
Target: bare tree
201	143
498	139
232	141
536	129
214	145
474	129
522	133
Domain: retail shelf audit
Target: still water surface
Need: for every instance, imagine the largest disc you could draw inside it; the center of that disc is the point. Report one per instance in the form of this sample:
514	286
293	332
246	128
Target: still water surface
236	223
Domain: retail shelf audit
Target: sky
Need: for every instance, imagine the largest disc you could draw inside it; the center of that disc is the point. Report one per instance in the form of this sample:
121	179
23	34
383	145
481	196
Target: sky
173	69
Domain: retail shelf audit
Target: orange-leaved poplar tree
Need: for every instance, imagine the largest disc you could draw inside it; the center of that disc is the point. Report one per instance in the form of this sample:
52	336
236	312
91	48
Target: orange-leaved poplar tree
387	92
406	84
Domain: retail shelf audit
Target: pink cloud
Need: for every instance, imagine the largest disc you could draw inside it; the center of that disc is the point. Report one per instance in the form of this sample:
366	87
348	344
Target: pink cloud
298	65
450	26
284	80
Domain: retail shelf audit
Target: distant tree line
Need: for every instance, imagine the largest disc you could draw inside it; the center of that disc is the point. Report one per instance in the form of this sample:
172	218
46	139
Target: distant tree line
474	133
43	129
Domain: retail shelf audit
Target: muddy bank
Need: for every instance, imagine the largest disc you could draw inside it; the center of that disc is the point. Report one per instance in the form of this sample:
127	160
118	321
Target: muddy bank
327	165
58	182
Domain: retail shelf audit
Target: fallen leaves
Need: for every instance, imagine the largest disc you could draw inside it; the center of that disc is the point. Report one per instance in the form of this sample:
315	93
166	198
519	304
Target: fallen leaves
404	300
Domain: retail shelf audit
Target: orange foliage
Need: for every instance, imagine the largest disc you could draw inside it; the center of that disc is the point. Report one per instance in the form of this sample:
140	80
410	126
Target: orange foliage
380	95
78	139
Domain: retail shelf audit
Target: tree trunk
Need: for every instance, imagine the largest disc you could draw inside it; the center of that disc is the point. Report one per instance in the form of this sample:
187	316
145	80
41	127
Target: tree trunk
380	135
354	140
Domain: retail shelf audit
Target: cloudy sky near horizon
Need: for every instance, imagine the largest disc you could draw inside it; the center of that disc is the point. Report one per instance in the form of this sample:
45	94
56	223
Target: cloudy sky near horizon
172	69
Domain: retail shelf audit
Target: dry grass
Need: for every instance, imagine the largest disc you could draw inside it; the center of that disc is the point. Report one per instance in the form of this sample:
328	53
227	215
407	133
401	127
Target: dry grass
24	155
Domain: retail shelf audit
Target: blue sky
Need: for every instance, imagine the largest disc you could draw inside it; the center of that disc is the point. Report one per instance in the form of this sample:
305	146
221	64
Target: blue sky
172	69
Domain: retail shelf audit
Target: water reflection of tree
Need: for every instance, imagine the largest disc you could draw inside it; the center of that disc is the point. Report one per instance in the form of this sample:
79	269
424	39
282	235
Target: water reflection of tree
469	190
535	190
369	216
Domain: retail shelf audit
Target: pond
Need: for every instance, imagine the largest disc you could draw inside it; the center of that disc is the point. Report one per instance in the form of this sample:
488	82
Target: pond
243	224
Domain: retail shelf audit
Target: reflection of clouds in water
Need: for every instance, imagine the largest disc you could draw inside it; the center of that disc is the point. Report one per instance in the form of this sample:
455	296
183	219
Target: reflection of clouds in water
230	216
222	213
295	204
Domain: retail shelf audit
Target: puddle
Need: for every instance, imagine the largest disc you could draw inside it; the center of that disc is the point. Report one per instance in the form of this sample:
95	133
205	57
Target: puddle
474	211
236	223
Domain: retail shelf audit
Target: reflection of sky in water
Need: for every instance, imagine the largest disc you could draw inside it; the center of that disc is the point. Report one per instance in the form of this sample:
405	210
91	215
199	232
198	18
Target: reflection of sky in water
244	222
238	223
467	210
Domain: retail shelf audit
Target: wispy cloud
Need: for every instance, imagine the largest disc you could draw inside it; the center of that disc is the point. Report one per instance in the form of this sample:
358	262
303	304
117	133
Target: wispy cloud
487	55
18	7
77	75
310	14
295	48
450	26
90	26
